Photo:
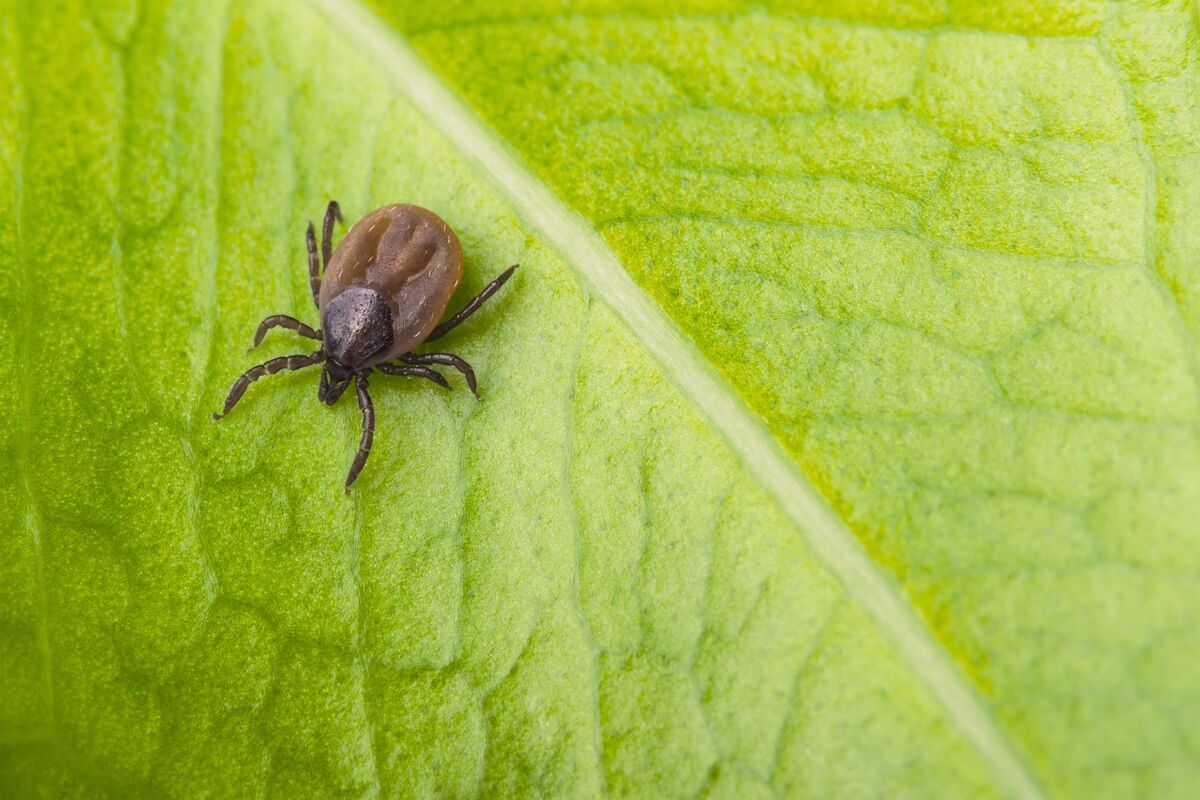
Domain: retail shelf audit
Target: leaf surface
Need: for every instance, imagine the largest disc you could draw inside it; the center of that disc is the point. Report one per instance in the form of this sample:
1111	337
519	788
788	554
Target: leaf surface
950	255
947	257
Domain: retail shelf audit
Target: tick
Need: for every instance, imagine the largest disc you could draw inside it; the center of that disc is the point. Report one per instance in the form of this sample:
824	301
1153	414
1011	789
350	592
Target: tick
383	291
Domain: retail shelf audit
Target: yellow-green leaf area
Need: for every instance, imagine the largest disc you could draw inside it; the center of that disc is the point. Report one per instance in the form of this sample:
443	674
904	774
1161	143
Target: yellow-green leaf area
574	588
949	253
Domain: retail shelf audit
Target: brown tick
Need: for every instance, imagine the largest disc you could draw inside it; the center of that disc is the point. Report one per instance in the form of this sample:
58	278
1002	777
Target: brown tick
384	290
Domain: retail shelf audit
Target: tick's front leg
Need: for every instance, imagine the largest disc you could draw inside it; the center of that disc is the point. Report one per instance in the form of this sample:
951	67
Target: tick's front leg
368	428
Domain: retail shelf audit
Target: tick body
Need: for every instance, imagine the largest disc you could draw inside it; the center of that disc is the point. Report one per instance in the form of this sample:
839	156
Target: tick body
382	293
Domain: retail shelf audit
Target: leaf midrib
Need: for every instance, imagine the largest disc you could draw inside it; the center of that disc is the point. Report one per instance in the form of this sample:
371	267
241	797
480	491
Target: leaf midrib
581	246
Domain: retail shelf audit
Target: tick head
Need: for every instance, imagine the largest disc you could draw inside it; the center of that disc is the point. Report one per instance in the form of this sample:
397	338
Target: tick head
334	380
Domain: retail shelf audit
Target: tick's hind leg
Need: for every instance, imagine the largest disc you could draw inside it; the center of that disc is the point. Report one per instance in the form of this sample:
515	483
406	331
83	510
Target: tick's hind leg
314	264
414	372
267	368
317	262
332	212
368	428
282	321
471	307
445	360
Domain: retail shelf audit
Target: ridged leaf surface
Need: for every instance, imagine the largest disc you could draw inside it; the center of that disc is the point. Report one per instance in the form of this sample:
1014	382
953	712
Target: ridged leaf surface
940	265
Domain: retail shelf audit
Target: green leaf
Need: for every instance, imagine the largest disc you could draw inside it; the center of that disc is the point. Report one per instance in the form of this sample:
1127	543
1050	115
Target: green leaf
952	257
938	267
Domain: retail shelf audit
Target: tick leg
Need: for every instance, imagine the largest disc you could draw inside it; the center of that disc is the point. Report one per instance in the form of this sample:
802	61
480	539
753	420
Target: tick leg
368	428
283	321
334	211
314	265
415	372
446	360
267	368
471	307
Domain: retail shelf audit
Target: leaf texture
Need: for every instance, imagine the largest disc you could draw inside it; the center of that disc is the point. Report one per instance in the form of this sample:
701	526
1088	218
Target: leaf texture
948	257
949	253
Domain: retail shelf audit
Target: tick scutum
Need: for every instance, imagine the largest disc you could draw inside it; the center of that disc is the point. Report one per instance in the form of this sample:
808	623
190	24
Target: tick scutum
357	326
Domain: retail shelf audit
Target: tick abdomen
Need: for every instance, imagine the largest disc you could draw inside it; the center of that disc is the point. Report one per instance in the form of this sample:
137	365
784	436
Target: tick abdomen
411	258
